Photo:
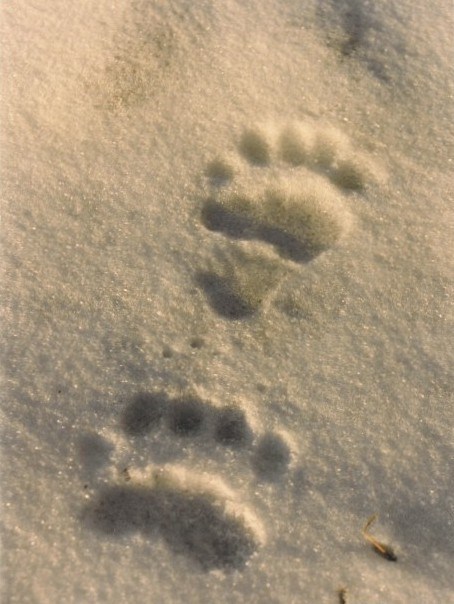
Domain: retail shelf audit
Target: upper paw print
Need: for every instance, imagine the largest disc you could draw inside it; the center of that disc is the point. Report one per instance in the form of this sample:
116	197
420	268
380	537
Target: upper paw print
280	196
290	192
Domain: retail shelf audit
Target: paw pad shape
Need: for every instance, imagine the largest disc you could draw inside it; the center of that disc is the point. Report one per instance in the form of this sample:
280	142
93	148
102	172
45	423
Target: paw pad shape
195	514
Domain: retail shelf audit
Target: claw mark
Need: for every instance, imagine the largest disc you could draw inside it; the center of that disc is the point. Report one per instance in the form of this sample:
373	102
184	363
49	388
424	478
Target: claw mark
386	551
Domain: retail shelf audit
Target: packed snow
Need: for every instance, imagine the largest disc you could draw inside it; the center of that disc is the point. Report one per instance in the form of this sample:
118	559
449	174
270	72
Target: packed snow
227	335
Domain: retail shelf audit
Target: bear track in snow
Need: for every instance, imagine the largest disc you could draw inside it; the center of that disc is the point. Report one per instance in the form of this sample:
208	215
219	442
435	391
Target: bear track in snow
281	198
196	514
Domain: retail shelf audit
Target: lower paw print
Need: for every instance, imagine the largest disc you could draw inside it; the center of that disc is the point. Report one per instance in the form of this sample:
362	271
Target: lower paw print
283	197
201	522
195	513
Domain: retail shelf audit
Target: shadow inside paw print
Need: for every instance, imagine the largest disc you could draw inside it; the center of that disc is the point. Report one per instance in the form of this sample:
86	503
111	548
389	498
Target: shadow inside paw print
228	426
254	147
272	457
196	515
299	220
219	218
186	416
232	428
190	523
144	413
283	195
222	296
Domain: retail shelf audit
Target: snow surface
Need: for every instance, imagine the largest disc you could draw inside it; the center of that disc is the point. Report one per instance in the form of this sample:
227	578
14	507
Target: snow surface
226	332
